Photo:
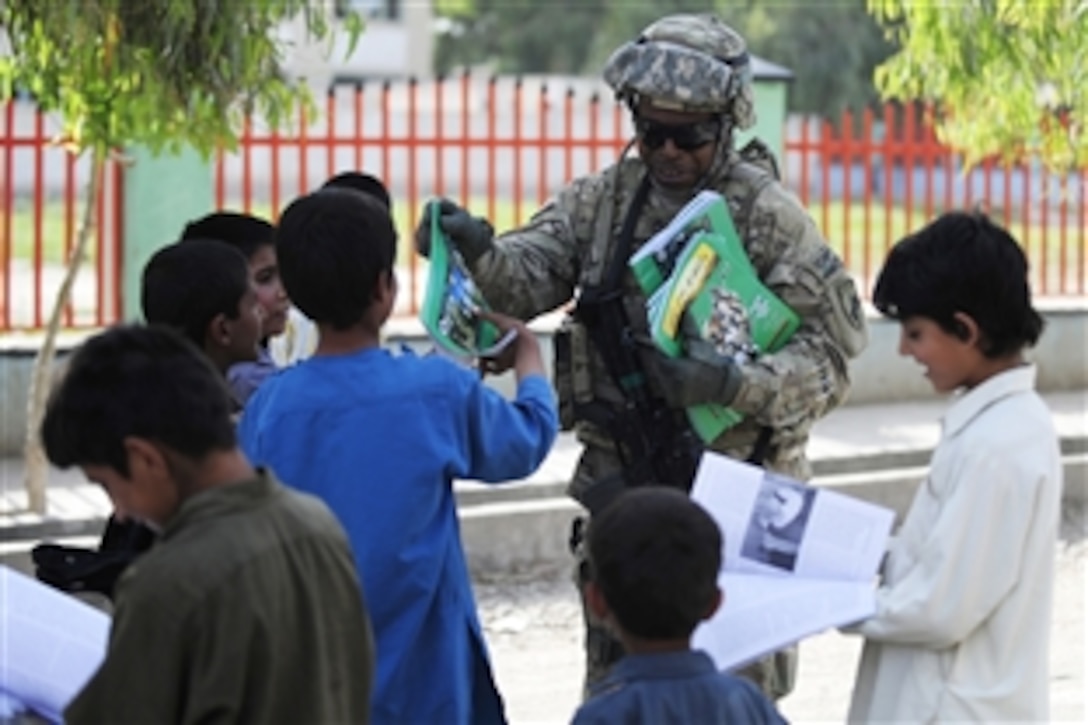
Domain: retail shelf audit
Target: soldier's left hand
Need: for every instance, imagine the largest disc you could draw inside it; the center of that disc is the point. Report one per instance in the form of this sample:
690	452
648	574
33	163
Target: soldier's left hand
701	375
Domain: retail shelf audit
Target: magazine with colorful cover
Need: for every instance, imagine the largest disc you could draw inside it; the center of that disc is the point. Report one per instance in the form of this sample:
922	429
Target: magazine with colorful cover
653	262
452	302
704	272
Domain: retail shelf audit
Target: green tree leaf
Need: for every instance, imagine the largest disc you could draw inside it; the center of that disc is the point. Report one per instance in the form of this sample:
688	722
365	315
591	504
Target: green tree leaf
1006	76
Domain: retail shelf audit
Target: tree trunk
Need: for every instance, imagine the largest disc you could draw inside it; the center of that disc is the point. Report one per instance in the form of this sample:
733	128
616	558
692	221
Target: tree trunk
33	452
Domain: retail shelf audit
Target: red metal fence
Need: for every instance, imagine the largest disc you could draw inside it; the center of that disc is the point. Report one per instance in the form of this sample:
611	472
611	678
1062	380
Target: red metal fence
42	189
877	177
501	147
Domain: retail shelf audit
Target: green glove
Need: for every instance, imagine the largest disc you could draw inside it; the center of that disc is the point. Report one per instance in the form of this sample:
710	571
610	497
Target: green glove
701	375
472	236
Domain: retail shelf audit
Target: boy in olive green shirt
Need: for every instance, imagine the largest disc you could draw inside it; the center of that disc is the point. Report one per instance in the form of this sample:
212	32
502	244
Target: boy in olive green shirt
248	608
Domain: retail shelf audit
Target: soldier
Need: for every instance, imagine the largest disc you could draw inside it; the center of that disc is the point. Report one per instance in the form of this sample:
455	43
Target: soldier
686	80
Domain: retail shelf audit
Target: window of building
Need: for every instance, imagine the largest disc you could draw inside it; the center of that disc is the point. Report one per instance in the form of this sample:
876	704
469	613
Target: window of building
371	9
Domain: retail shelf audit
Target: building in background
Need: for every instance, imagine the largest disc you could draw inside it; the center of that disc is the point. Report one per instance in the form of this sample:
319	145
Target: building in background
397	42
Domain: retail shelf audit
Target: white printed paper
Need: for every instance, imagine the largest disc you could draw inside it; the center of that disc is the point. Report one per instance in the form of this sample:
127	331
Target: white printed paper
50	643
796	559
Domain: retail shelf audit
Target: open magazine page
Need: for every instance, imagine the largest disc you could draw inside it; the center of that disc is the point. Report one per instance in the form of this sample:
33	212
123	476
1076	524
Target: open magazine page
451	304
797	559
50	644
774	525
760	615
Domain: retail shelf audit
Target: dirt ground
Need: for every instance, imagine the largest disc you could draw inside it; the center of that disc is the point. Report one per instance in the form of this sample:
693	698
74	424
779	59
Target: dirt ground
533	625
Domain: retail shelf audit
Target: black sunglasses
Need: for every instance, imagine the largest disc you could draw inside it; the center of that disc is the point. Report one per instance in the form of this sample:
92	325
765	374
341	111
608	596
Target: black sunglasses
685	136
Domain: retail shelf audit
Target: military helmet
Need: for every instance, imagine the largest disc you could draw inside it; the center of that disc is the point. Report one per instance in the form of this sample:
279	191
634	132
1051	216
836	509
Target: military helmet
693	63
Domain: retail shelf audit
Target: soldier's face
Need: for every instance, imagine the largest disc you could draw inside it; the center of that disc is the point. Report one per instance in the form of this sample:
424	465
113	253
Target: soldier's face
678	147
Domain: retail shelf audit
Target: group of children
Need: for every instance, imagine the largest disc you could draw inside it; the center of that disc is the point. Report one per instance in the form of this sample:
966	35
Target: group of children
343	595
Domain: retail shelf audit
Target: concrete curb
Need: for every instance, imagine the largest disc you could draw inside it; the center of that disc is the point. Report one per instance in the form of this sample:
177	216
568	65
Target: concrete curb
526	525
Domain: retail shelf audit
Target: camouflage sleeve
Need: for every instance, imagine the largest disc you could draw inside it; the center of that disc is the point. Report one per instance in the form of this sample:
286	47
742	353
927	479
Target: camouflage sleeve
808	376
534	269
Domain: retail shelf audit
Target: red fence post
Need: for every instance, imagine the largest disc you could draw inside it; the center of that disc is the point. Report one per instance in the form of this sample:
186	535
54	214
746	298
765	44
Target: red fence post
543	147
466	136
491	150
516	146
846	158
38	212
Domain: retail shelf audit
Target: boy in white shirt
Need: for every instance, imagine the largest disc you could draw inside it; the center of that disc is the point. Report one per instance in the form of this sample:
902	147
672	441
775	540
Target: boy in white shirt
963	613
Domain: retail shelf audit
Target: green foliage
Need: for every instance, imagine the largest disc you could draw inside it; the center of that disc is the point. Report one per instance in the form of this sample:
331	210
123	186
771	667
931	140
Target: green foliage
162	73
517	37
1008	76
832	48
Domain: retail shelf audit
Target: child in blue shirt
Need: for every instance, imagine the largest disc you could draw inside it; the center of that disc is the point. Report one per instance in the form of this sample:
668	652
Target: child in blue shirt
654	556
381	438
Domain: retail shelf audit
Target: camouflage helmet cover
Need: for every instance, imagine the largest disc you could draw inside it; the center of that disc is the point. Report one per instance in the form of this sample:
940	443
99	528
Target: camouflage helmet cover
692	63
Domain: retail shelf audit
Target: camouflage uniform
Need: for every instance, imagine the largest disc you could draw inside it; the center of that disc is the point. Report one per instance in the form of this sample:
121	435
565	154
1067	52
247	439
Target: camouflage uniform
568	244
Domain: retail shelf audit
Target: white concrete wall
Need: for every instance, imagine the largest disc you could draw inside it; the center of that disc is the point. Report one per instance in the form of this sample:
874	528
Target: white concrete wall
879	374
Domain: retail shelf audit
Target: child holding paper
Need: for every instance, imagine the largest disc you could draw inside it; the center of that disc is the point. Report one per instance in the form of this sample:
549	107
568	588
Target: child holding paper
248	608
654	556
963	612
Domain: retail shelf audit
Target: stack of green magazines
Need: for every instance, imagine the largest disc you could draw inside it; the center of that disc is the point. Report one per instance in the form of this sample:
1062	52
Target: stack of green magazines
697	266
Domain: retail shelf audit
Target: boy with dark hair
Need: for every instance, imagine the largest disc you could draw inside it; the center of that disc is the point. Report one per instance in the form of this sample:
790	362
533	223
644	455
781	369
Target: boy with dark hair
363	183
248	609
963	612
203	288
653	562
381	438
253	237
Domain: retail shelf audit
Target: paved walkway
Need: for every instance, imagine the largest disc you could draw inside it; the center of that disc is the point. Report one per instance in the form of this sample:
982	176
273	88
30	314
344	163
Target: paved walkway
533	627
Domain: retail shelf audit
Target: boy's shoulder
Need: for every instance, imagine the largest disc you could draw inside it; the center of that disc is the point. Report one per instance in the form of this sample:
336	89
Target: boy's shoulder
686	689
183	567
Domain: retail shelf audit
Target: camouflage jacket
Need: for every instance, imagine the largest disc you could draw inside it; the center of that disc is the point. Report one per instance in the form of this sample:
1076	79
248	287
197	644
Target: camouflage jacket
568	244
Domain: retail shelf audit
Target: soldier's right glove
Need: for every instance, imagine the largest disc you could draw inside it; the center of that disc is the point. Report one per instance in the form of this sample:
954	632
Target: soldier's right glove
700	376
470	234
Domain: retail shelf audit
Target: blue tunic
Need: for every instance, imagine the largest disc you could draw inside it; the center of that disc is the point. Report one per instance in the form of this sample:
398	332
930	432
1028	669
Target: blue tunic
674	688
381	438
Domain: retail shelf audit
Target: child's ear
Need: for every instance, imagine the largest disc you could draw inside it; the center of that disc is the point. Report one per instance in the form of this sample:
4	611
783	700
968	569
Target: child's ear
595	600
387	286
218	332
715	604
965	328
145	460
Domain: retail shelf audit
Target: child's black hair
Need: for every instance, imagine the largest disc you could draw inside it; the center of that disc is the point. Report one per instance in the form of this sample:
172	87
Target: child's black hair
364	183
185	285
244	232
655	555
142	381
962	263
333	246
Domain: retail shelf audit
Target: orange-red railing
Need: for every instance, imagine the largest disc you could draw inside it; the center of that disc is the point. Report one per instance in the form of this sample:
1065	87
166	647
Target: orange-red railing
502	146
41	206
874	178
